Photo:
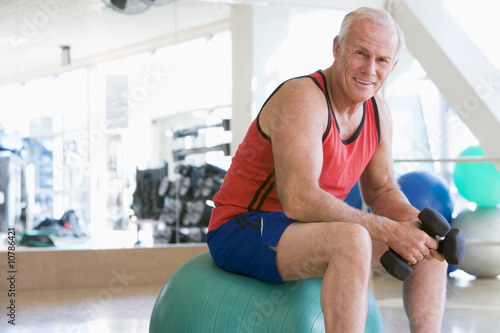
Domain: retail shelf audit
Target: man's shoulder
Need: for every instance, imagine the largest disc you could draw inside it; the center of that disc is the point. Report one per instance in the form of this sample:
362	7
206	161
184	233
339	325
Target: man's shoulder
298	102
302	87
381	103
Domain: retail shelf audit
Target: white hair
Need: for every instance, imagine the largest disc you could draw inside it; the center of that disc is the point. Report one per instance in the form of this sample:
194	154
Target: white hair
377	16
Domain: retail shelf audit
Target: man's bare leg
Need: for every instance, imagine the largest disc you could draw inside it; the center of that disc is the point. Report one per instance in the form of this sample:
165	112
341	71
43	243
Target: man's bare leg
424	293
341	254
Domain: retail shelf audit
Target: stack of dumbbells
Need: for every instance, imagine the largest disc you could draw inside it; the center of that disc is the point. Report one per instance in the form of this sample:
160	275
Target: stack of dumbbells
186	208
147	204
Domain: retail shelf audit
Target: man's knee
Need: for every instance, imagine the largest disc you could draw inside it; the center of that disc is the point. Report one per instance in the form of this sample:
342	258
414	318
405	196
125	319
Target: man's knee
357	237
353	242
306	250
361	241
430	268
353	250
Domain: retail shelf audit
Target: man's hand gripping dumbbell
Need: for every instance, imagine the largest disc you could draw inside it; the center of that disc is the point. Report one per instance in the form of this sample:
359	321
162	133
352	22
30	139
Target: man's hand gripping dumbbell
452	246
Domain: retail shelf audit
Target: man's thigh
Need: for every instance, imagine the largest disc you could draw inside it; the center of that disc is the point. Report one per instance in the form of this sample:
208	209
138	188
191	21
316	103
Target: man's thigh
244	244
305	249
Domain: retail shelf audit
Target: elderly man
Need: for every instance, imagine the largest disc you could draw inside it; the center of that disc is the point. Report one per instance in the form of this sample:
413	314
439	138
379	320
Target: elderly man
279	215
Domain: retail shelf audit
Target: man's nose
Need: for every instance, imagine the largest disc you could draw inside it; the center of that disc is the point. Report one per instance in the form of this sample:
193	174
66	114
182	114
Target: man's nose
370	66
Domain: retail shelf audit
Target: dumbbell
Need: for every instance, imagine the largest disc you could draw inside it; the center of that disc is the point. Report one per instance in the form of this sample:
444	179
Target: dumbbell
434	224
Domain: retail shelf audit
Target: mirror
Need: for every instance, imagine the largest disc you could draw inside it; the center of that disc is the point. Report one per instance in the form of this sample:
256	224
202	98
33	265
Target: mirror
101	91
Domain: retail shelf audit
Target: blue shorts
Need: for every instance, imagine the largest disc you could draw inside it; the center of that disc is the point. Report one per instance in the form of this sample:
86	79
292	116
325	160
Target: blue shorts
241	245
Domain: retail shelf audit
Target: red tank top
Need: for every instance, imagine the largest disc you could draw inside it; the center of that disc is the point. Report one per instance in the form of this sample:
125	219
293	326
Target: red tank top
249	184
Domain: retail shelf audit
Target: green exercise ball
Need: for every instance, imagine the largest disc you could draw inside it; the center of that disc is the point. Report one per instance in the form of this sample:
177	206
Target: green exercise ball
478	182
201	297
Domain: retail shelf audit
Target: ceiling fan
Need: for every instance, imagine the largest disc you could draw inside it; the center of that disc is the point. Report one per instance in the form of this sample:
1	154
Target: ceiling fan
134	6
158	2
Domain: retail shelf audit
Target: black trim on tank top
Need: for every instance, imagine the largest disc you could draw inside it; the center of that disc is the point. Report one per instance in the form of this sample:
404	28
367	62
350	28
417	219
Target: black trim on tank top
264	135
358	131
329	104
377	121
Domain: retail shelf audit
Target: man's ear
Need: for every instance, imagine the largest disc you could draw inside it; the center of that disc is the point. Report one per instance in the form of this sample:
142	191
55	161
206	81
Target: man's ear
336	47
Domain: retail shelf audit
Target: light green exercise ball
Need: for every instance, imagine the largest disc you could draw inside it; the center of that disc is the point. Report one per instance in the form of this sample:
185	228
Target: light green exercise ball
478	182
201	297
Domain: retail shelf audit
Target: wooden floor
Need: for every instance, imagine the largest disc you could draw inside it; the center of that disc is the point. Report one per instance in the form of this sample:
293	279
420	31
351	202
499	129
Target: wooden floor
472	306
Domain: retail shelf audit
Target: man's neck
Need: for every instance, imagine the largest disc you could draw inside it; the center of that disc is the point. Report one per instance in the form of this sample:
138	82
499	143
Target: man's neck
338	96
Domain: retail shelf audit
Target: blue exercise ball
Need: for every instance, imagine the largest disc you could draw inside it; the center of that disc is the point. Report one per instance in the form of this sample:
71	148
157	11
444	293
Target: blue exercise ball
427	189
354	199
201	297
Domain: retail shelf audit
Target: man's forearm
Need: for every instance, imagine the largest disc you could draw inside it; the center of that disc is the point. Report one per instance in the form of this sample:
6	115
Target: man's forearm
394	205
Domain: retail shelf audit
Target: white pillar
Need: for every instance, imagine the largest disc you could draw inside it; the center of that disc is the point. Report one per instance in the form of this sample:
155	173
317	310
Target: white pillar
257	32
97	153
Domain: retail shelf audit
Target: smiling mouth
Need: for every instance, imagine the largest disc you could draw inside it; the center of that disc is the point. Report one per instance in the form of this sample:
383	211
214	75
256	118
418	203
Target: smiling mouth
363	82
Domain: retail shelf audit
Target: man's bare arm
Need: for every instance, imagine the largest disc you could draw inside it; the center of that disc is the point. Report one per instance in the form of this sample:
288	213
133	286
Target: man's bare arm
382	194
295	122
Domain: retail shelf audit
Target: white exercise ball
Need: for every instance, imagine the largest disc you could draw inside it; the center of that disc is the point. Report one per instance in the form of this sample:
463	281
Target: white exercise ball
480	226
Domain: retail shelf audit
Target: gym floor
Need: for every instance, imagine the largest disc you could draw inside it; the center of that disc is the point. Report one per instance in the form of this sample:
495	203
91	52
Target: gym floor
472	306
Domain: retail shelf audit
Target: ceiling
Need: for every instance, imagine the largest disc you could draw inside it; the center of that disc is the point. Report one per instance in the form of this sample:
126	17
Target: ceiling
32	32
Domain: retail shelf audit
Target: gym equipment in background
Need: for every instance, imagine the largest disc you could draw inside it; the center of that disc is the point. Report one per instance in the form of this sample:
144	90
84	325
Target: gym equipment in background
478	182
482	233
427	189
354	199
178	209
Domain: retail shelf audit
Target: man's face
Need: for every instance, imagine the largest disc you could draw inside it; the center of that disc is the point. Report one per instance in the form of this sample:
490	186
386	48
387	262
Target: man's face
367	59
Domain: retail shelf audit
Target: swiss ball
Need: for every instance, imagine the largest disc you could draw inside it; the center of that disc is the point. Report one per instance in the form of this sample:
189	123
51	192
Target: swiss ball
427	189
478	182
201	297
354	199
481	225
